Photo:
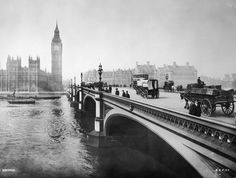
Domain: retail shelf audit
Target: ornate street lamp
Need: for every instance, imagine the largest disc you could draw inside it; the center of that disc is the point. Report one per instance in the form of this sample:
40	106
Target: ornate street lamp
167	76
100	70
81	75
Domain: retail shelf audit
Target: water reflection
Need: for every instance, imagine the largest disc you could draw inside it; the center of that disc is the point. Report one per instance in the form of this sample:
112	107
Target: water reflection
34	113
57	112
56	129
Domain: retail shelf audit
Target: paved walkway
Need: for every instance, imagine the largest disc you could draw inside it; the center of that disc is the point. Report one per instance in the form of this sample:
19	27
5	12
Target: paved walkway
174	102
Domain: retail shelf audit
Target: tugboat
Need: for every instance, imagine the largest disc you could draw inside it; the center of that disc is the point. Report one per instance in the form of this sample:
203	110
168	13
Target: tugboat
15	100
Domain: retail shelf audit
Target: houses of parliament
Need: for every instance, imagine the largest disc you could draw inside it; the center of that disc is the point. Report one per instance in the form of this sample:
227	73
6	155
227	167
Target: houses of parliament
32	78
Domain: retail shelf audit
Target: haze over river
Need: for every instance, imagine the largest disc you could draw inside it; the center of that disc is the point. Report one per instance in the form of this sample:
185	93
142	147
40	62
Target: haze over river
43	140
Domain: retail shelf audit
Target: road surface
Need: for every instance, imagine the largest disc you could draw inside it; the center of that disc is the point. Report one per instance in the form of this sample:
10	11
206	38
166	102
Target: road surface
173	101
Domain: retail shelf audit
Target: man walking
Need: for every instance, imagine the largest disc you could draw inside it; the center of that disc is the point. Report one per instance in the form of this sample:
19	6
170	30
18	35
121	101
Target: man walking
127	95
117	92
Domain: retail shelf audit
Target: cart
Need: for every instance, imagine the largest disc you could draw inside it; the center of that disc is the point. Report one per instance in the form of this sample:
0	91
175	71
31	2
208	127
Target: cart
210	97
147	87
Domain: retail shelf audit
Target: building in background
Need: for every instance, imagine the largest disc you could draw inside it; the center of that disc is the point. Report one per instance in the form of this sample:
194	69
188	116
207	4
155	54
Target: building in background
229	81
28	79
32	78
180	74
119	77
149	69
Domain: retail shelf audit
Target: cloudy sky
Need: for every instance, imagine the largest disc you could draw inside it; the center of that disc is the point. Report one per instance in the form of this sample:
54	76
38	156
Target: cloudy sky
118	33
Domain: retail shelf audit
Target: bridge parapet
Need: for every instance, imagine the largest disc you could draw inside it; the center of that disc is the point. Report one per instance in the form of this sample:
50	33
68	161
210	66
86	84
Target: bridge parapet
218	131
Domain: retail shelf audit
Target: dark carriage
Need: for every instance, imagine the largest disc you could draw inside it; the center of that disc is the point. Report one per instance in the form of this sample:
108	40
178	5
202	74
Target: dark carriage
168	85
210	97
147	87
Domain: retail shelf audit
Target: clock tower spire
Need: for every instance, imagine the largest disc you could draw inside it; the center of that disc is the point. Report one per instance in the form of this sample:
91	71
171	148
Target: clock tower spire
56	51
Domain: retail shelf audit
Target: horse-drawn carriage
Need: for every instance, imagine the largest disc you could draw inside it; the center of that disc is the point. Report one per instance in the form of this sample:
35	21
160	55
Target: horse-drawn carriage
145	86
168	85
210	97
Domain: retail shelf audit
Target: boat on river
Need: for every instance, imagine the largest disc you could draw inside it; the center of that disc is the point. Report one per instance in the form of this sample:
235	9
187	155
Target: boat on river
47	97
21	101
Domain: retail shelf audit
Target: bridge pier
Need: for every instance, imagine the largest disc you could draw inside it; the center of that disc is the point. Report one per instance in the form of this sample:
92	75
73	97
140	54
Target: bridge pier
79	98
96	138
74	102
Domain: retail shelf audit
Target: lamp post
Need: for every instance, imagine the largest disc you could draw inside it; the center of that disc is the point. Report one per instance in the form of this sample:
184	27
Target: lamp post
81	75
100	70
167	76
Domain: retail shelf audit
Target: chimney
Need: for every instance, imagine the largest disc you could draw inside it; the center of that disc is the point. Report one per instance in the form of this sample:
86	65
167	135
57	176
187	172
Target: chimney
187	64
148	63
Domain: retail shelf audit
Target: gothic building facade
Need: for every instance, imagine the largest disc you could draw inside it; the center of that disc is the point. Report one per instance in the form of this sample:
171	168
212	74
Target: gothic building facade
32	78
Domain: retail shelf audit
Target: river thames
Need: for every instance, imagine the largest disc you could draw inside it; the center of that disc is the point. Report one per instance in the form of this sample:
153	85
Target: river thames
44	140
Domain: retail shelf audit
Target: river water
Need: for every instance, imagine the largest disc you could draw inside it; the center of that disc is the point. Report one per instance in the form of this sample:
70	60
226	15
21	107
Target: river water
43	140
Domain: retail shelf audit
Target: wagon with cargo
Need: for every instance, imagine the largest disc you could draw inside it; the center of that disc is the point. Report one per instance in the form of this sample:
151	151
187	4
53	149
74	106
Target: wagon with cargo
210	97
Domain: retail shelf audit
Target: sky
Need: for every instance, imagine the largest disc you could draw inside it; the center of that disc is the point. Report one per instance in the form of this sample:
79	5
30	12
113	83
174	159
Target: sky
119	33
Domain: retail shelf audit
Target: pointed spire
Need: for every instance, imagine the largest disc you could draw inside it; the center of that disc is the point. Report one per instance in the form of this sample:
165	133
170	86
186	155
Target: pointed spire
56	29
56	37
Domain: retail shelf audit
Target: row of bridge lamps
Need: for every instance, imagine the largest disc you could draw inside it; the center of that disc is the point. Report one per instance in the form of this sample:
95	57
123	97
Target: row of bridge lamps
100	71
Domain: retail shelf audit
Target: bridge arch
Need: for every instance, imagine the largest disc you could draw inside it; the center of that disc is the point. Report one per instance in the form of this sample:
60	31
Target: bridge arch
89	108
117	123
88	98
170	150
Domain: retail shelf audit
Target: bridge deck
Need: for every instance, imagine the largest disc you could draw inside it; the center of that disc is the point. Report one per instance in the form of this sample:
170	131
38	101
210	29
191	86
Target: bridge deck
173	101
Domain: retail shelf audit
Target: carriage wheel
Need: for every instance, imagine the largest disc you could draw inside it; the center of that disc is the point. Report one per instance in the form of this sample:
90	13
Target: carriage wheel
227	108
206	107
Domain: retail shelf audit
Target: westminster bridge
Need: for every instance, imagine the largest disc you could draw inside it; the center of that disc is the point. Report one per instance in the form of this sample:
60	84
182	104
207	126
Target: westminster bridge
191	145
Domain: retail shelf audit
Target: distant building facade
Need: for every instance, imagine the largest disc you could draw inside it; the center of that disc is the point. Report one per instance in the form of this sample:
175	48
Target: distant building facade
149	69
116	77
180	74
229	81
32	78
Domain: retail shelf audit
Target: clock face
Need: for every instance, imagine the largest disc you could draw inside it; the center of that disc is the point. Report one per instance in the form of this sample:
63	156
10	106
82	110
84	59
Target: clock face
56	48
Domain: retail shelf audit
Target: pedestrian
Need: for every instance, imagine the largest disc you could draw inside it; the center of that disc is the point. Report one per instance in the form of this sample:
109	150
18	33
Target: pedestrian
110	89
123	93
117	92
127	95
192	109
198	109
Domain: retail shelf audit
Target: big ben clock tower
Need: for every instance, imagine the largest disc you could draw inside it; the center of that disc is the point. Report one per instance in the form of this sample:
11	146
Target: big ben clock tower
56	50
